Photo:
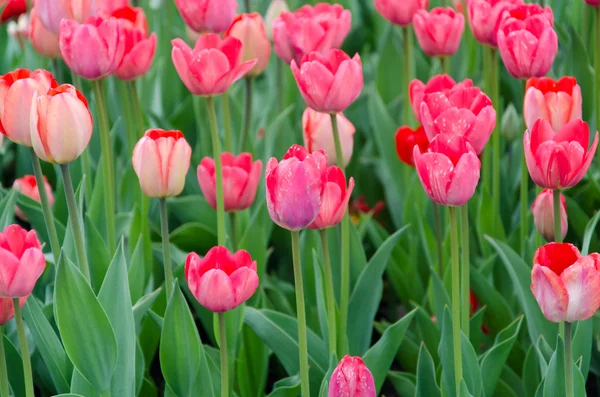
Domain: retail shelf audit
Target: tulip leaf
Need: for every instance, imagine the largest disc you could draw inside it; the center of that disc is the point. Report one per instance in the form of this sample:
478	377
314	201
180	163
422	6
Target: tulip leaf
403	382
589	233
532	376
498	312
426	378
142	306
471	370
7	209
333	362
14	361
554	381
583	339
98	253
286	387
33	210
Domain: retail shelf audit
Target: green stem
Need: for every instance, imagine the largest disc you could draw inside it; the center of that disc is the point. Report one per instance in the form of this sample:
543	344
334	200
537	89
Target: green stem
455	300
329	292
302	338
137	107
216	143
279	86
247	5
445	61
438	238
465	273
4	390
557	221
106	393
85	156
486	167
24	349
227	123
495	139
164	226
569	360
55	69
524	194
247	115
128	115
107	164
407	72
75	220
597	65
233	229
224	358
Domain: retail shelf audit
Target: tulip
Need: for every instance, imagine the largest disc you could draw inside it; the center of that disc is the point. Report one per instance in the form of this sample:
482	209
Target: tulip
318	134
407	139
19	29
449	170
543	214
44	42
52	12
16	92
276	7
212	66
27	186
334	201
593	3
161	159
464	111
487	16
527	42
319	28
558	160
559	102
12	9
22	262
439	31
439	83
351	378
207	15
295	187
109	6
61	124
565	284
241	177
329	82
221	281
400	12
7	309
510	124
250	30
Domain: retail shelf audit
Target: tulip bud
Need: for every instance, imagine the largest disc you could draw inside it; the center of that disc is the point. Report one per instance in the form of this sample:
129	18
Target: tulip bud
334	201
7	308
44	41
27	186
250	30
276	7
543	214
213	16
511	123
351	378
52	12
448	25
400	12
318	134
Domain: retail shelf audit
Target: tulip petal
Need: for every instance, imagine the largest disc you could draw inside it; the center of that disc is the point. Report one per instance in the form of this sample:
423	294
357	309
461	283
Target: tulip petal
463	180
245	283
215	291
550	293
31	267
582	282
10	265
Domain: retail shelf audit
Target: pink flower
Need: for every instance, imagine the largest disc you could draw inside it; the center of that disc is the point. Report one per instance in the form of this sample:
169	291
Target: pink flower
295	187
318	134
16	92
449	170
352	378
565	284
221	281
27	185
593	3
22	262
329	82
52	12
463	111
527	42
7	309
558	160
250	30
161	159
276	7
400	12
109	6
439	30
543	214
12	9
319	28
44	42
486	18
19	29
241	177
438	83
207	16
212	66
334	201
556	101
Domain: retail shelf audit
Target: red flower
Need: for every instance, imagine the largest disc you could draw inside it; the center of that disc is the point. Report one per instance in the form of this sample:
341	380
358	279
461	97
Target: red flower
407	139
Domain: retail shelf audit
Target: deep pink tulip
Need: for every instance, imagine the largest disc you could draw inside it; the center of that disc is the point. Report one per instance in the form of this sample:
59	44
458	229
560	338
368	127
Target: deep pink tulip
439	31
44	42
221	281
250	30
295	187
352	378
109	6
7	309
448	170
161	160
527	42
486	18
22	262
319	28
558	160
438	83
329	82
334	201
565	284
543	214
556	101
17	89
241	177
207	16
318	134
400	12
27	185
593	3
52	12
464	111
212	66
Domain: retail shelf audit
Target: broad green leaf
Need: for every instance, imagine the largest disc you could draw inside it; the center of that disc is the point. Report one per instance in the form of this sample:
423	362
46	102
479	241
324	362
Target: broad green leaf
321	299
471	371
404	383
531	373
143	305
252	364
137	271
16	378
554	381
426	377
498	313
446	352
140	368
33	210
97	252
589	233
287	387
7	209
583	339
333	362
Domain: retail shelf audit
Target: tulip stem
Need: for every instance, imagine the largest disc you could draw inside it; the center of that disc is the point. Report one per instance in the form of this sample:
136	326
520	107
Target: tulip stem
438	237
127	102
232	236
75	218
224	358
569	360
466	290
302	338
216	144
85	156
557	221
227	122
164	226
455	299
24	349
46	209
247	115
597	65
408	61
495	140
329	292
445	62
524	206
279	86
4	390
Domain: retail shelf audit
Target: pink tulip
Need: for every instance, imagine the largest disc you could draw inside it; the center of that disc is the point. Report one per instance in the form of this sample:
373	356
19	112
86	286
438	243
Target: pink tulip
109	6
250	30
400	12
161	160
61	125
439	31
52	12
12	9
352	378
487	16
558	160
276	7
543	214
319	28
221	281
565	284
212	66
7	309
295	187
207	15
44	42
241	177
527	42
318	134
27	186
448	170
16	92
438	83
329	82
593	3
556	101
463	111
22	262
334	202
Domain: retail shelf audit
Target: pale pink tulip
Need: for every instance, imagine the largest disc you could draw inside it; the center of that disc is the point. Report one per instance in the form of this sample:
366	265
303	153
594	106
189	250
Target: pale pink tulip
27	185
44	41
250	30
318	134
559	102
487	16
543	214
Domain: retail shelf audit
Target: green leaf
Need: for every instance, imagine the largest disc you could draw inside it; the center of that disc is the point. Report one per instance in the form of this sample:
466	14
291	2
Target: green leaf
333	362
33	210
554	381
404	383
193	236
15	363
498	313
531	372
143	305
582	344
321	305
471	370
589	233
69	395
287	387
7	209
137	271
426	378
97	253
446	353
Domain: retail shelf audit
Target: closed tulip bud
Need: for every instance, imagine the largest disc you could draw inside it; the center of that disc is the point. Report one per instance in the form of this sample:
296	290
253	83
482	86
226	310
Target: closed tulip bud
351	378
556	101
510	125
400	12
543	214
221	281
250	30
52	12
207	15
12	9
439	31
407	139
334	202
161	160
318	134
44	42
565	284
7	309
22	261
487	16
276	7
295	187
438	83
27	186
61	124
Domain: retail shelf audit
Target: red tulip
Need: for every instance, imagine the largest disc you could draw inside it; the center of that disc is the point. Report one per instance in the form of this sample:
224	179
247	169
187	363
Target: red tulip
44	42
593	3
213	16
27	186
439	31
318	134
487	16
556	101
22	262
334	201
407	139
250	30
52	12
558	160
543	214
352	378
7	308
12	9
400	12
221	281
438	83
